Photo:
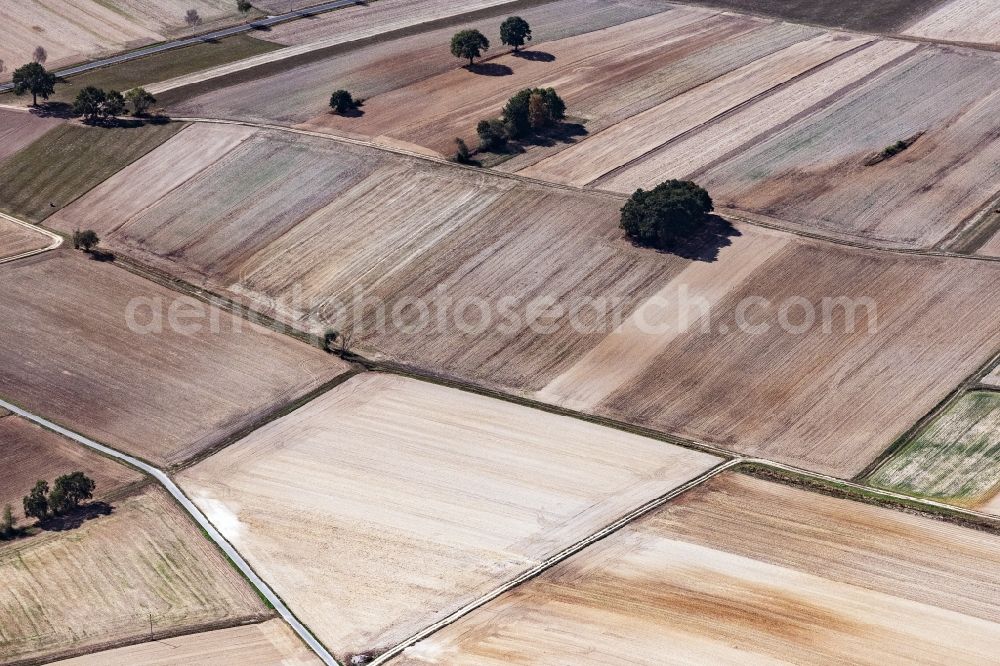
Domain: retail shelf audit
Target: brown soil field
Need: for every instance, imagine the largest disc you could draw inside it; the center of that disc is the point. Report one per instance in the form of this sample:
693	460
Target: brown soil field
298	89
475	237
163	396
584	69
961	21
78	30
387	503
20	128
31	453
271	642
742	571
104	580
16	239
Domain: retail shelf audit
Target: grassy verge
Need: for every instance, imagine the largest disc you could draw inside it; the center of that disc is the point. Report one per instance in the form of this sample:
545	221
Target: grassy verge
70	160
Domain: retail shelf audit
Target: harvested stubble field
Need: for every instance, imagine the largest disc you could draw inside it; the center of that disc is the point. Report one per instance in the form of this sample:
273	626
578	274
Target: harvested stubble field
884	16
262	644
976	21
19	129
993	379
16	239
298	89
69	160
955	459
470	235
387	503
82	590
78	30
163	396
31	453
742	571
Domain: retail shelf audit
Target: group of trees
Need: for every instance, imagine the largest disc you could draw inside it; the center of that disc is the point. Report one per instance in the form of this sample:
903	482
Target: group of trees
528	111
66	494
514	31
672	212
96	105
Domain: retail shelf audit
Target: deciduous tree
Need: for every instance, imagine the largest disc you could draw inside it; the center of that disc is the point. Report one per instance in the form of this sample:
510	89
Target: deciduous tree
342	102
33	78
515	31
671	212
140	99
469	44
69	491
36	503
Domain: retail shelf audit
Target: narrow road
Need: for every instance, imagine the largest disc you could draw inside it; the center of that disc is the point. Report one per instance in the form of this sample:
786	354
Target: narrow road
197	39
56	239
199	518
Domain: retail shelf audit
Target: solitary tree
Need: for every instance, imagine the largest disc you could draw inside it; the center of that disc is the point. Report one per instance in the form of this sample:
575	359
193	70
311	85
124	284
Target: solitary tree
469	44
36	503
140	99
69	491
85	240
40	55
671	212
342	102
7	529
243	6
192	18
35	79
514	31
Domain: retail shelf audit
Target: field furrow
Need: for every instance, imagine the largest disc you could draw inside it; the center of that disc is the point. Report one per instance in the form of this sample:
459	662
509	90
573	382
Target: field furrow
961	21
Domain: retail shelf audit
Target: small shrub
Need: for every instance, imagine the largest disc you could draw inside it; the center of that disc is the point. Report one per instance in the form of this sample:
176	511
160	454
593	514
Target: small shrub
342	102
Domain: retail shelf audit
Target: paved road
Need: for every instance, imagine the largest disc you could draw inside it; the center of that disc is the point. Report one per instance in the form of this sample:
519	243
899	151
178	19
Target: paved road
207	37
199	517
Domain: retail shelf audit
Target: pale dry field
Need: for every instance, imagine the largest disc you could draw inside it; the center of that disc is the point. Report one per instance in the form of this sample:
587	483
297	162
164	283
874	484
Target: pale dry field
993	379
955	459
69	592
163	396
77	30
20	128
961	21
394	230
16	239
266	643
288	93
387	503
742	571
31	453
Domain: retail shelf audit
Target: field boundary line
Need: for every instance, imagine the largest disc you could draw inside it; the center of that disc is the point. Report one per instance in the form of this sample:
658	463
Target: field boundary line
56	239
553	560
733	214
175	491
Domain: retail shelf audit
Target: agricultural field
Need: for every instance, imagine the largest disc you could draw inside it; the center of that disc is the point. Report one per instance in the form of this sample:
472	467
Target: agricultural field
298	89
163	395
67	161
955	459
78	30
270	642
31	453
472	236
387	503
975	21
66	593
16	239
740	570
993	379
19	129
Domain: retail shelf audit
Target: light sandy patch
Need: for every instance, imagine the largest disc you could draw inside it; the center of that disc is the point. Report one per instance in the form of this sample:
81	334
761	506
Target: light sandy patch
722	575
346	25
961	21
387	503
107	579
120	198
693	152
993	379
265	643
681	304
630	139
991	248
20	128
16	239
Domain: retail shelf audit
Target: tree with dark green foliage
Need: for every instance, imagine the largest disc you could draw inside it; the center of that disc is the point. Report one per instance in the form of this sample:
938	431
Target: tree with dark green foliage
140	99
469	44
515	31
114	104
36	503
8	529
85	240
491	134
462	153
520	118
342	102
671	212
34	78
89	103
69	490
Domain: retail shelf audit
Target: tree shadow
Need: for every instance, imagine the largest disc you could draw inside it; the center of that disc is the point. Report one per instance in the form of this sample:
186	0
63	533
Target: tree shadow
101	255
561	132
76	518
534	56
350	113
715	234
53	110
489	69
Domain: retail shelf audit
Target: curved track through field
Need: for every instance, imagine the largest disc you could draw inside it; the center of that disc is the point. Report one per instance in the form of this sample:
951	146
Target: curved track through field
55	238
